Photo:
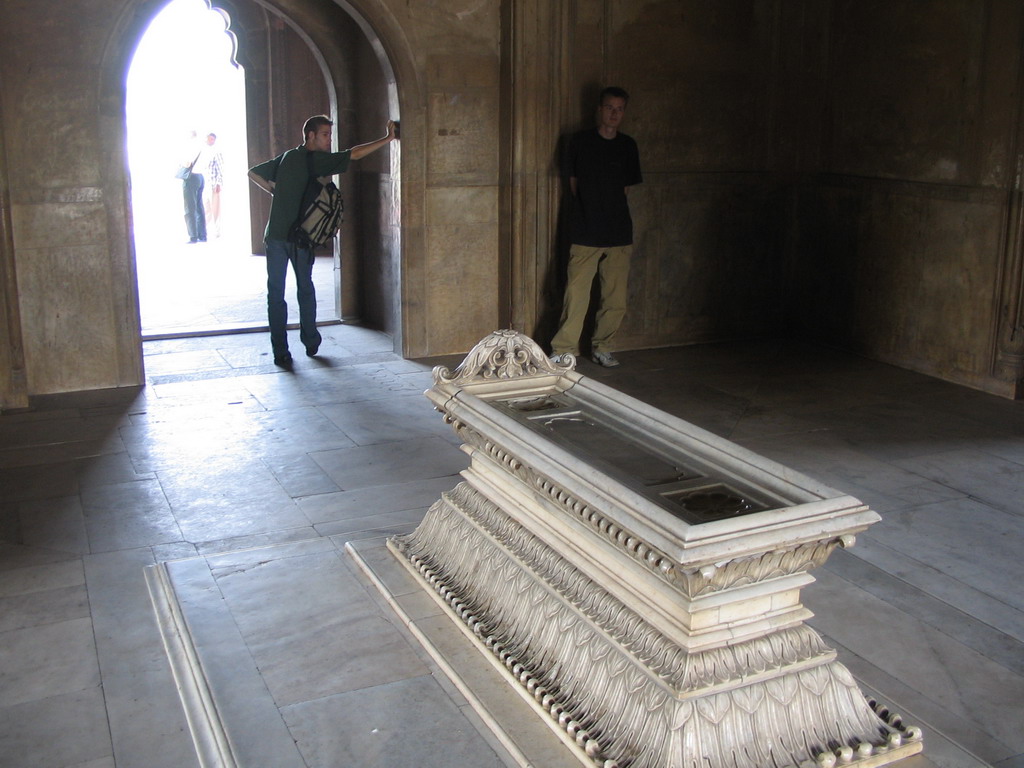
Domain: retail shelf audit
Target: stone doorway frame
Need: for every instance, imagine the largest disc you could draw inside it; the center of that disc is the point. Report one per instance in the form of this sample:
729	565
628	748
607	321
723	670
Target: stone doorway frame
406	101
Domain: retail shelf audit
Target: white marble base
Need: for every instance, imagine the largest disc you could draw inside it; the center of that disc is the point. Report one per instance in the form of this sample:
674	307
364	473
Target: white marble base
483	683
285	656
231	697
487	686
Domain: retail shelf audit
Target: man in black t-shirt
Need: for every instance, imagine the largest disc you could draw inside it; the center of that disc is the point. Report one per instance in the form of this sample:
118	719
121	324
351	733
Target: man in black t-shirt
601	164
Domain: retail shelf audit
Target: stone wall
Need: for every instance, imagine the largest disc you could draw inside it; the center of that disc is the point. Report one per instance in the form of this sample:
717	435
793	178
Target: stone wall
902	239
76	293
842	170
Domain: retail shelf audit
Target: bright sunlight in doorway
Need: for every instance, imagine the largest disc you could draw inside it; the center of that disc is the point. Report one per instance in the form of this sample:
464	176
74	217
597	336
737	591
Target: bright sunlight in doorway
186	93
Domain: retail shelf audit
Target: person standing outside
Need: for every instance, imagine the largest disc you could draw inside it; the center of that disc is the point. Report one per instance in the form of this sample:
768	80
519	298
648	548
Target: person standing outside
192	190
285	178
214	182
601	164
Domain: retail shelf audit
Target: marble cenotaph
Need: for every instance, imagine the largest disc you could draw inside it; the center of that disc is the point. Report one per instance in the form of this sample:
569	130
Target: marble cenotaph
637	579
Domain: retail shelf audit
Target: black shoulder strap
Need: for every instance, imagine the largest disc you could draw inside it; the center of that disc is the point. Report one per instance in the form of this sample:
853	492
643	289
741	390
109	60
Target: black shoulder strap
309	194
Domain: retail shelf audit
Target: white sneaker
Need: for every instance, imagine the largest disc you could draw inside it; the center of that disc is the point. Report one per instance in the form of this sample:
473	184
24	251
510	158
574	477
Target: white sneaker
606	359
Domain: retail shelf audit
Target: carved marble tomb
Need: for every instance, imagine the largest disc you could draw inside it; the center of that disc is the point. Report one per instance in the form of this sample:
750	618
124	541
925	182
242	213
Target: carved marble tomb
637	579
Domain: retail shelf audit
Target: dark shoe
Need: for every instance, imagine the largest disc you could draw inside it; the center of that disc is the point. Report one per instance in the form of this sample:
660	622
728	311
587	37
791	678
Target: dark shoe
311	351
284	361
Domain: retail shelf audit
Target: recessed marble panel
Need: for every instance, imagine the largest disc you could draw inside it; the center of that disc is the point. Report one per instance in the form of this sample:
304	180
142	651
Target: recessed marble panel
407	722
453	250
463	204
70	337
320	634
463	70
462	124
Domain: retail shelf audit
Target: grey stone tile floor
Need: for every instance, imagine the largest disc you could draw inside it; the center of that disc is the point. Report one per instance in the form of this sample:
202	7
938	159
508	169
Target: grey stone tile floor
251	480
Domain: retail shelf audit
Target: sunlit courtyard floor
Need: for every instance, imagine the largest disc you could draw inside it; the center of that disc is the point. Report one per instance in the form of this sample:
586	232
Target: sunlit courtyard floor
214	287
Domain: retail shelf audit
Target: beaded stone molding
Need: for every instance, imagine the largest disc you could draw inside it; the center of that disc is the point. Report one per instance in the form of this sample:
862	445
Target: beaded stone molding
693	582
617	689
687	673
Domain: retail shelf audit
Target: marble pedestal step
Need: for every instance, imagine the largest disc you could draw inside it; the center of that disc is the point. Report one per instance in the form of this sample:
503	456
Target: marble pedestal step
515	724
501	708
270	673
285	656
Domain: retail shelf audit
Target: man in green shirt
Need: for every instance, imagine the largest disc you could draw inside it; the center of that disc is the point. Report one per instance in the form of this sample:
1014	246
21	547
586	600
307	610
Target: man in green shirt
285	178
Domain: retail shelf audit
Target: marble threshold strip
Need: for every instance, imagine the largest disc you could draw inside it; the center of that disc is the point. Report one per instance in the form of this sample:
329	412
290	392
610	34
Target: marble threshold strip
209	734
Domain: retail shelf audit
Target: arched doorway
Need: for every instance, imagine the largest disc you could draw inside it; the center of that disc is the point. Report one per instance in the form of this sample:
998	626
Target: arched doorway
360	93
185	104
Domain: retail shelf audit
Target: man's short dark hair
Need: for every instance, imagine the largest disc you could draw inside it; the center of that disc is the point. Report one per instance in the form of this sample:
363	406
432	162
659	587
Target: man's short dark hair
313	125
615	92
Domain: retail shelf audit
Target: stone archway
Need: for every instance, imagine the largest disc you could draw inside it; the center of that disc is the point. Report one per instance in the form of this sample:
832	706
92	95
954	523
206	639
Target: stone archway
376	287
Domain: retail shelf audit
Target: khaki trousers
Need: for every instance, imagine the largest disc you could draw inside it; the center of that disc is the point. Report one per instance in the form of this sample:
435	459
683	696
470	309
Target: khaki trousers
612	266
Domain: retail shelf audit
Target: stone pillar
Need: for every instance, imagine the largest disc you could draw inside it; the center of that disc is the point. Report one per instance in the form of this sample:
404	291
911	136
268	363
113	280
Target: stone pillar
13	385
1009	356
536	70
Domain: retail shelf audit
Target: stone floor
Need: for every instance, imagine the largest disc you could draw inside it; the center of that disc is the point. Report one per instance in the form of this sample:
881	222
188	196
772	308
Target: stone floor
232	293
248	482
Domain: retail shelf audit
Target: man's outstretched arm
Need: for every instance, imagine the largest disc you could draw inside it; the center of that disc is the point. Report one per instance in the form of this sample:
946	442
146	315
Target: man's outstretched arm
362	150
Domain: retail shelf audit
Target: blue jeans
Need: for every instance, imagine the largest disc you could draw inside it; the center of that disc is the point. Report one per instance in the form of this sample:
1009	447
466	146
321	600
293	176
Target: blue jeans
195	214
279	253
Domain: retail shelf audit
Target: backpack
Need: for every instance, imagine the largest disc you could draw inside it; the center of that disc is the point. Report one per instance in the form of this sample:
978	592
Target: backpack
320	213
